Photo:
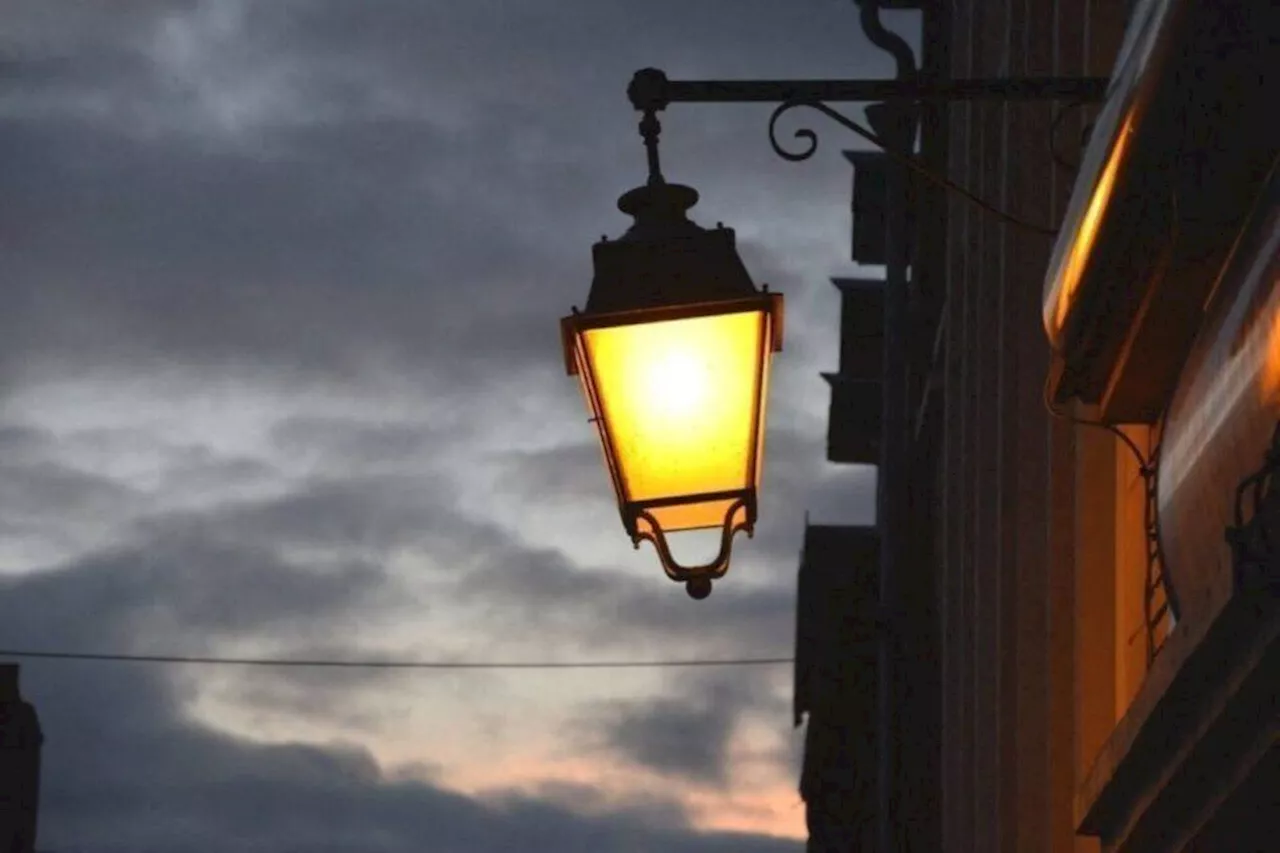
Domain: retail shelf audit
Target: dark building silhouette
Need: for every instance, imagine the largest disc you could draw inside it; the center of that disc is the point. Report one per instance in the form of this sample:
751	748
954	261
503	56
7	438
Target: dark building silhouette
1083	645
20	743
835	684
857	389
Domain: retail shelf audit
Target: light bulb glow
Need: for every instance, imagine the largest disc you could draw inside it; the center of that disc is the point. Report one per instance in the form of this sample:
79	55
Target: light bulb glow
680	399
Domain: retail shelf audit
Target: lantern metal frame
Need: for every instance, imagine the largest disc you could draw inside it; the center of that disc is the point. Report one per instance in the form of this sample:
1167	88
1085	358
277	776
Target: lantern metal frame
637	519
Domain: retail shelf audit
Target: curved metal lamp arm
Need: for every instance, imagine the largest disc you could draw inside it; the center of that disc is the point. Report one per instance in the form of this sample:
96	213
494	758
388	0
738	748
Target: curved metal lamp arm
905	158
697	578
810	136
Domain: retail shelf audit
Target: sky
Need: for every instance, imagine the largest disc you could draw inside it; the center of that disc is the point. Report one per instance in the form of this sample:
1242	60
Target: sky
280	375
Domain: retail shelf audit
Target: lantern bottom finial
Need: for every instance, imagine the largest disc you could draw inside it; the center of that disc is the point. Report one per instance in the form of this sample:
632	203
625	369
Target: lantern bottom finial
698	588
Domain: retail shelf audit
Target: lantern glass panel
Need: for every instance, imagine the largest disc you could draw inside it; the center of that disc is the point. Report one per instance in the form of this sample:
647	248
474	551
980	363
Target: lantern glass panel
681	401
692	516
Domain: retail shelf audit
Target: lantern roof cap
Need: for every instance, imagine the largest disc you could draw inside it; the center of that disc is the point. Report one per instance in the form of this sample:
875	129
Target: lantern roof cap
658	198
659	210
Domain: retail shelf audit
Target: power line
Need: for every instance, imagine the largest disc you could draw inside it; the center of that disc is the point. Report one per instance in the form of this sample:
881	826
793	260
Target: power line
394	664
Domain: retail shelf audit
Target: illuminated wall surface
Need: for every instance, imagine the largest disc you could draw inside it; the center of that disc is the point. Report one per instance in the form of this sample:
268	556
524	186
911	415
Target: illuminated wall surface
1221	421
680	400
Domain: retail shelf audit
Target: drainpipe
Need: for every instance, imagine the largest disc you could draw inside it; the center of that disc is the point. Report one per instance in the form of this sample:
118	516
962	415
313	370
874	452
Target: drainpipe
895	122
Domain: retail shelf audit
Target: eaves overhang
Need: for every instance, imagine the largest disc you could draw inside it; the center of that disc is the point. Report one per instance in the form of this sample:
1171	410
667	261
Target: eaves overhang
1193	764
1174	158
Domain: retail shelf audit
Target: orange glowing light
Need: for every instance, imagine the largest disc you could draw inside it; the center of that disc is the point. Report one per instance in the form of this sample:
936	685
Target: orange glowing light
1090	223
1271	356
681	401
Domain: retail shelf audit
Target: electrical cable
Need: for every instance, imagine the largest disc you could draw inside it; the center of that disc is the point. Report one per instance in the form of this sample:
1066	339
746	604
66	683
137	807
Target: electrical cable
391	664
913	163
1053	410
1148	469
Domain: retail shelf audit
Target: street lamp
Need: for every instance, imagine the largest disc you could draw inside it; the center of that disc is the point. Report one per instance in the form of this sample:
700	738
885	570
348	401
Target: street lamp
674	345
673	351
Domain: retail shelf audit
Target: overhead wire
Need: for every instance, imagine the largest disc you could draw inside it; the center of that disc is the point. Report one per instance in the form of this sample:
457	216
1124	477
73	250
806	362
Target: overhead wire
215	660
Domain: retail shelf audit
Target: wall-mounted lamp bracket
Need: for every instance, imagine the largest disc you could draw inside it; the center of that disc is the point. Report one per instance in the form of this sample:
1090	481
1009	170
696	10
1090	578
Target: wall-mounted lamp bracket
650	89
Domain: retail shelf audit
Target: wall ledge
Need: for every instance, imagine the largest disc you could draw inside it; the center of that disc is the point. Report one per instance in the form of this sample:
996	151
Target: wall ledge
1205	717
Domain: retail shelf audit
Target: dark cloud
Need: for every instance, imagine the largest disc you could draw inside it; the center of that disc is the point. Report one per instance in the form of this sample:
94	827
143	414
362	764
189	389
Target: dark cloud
350	514
543	592
209	260
45	492
686	735
176	589
125	771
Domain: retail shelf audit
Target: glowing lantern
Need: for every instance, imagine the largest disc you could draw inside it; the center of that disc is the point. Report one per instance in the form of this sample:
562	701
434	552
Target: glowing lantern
673	351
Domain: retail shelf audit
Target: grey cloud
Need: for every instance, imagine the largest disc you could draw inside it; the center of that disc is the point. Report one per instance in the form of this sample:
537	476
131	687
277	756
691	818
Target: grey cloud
358	444
332	696
542	591
72	23
320	265
178	589
37	482
741	40
196	468
686	735
370	514
45	491
347	526
64	508
17	440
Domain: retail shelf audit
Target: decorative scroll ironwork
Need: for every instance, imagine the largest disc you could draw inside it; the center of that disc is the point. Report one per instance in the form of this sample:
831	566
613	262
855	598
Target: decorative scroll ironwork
907	159
697	579
1255	537
1155	582
811	137
805	133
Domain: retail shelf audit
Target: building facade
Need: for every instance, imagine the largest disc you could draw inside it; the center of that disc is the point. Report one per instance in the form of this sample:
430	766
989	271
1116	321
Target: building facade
1081	618
835	684
20	745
